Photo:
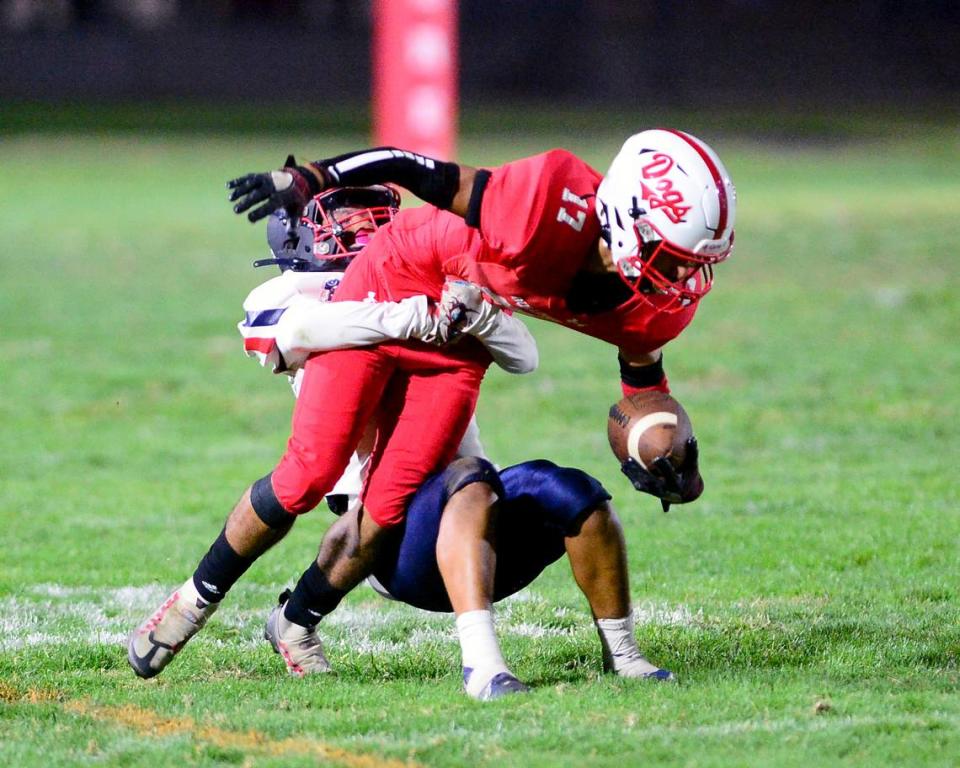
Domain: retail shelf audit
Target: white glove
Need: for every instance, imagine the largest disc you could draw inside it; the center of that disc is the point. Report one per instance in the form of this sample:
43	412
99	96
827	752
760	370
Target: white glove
463	310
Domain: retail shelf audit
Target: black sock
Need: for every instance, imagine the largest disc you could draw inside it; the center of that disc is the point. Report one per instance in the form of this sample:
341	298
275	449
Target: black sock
313	598
219	569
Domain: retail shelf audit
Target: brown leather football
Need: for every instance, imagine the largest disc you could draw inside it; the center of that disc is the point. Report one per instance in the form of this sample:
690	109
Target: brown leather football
647	425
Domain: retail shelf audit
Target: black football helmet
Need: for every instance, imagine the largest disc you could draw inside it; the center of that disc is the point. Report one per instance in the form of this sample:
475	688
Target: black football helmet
335	226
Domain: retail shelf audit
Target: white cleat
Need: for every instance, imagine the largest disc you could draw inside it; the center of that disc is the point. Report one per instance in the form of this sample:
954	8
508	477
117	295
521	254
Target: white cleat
299	646
154	643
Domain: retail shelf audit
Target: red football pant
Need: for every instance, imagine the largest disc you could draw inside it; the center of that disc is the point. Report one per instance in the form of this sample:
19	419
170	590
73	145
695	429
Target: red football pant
423	399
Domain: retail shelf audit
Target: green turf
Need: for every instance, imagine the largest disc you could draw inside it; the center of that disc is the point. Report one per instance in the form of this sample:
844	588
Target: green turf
807	602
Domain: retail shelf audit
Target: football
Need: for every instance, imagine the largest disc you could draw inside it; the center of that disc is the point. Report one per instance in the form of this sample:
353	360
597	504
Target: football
647	425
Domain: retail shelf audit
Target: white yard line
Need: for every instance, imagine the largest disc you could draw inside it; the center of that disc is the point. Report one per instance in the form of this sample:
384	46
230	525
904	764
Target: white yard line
53	614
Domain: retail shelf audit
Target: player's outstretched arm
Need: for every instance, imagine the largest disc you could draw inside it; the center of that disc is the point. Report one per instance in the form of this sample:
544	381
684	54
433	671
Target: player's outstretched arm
285	323
289	317
308	325
443	184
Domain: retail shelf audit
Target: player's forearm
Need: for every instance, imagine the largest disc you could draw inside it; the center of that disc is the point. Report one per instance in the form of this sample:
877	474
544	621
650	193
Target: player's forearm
443	184
510	343
309	326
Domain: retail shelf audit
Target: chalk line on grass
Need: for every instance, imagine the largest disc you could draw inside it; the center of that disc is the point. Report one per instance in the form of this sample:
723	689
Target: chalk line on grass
54	614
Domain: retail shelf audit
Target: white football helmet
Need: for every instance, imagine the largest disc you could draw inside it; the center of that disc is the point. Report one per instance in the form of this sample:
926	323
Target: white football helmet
666	209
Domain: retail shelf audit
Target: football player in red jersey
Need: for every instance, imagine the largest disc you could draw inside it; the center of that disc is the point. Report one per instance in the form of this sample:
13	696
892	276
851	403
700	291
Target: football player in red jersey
625	258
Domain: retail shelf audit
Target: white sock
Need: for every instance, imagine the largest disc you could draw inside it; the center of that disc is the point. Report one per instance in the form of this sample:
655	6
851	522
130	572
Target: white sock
195	605
480	649
620	650
190	594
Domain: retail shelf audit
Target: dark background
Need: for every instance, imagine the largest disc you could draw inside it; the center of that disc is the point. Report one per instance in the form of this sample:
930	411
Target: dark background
697	54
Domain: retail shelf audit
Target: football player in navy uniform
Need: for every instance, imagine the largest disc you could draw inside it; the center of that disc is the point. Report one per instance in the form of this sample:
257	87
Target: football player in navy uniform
522	519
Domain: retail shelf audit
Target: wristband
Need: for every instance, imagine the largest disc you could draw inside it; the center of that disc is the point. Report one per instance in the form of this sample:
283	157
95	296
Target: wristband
635	379
313	183
476	198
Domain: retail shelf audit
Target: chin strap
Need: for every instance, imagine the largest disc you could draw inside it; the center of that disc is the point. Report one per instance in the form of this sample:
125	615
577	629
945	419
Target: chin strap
268	262
294	263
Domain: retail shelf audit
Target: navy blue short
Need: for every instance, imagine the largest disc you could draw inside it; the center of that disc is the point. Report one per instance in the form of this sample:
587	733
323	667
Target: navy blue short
540	507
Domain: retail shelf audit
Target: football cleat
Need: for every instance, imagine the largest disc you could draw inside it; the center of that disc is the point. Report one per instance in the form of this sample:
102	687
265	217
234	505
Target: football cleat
154	643
500	685
298	646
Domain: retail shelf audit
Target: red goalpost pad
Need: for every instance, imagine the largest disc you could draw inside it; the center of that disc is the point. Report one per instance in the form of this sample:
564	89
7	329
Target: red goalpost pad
415	70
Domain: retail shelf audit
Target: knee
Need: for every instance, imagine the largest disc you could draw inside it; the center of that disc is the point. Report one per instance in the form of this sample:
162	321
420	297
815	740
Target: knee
478	496
599	521
299	484
472	487
469	516
267	506
471	472
352	537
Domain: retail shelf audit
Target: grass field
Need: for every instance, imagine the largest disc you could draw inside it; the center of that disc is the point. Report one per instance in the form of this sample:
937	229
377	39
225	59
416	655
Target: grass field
808	602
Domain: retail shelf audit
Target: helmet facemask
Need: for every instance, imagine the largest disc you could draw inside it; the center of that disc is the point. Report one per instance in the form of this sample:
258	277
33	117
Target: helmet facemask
344	220
335	226
669	277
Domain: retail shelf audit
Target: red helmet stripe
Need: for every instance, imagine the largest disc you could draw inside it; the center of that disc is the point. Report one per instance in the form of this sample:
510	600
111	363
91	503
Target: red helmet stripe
714	171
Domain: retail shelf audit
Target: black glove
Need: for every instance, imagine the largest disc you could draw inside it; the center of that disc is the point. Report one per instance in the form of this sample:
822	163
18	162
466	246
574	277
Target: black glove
289	188
672	485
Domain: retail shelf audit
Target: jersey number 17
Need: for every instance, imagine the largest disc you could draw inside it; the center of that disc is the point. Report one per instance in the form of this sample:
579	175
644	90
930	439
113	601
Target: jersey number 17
576	221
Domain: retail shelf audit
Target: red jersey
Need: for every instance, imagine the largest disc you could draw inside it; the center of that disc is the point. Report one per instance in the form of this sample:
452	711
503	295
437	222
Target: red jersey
537	229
